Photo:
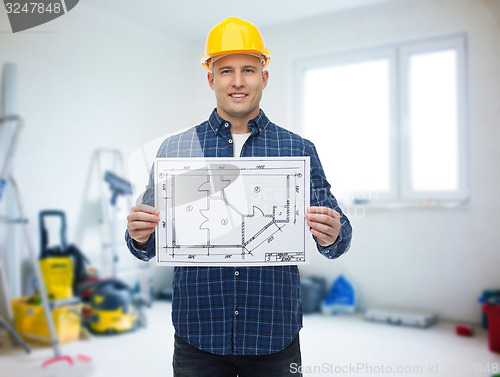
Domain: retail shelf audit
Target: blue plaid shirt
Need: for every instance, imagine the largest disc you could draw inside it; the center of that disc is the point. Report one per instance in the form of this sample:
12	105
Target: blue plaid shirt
241	310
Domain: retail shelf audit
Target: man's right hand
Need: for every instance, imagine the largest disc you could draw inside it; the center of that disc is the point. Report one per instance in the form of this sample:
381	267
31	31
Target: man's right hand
141	222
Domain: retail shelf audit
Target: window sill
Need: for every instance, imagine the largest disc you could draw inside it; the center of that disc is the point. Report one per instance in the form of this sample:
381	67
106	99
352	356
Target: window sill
389	205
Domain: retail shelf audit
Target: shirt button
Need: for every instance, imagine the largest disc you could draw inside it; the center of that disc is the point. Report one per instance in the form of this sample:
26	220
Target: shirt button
230	141
236	273
226	125
236	312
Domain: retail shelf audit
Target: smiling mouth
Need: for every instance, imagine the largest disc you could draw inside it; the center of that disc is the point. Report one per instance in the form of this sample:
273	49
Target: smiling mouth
237	95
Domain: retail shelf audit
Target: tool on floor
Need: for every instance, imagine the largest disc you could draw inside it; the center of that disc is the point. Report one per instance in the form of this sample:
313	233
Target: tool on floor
63	265
402	317
464	330
114	307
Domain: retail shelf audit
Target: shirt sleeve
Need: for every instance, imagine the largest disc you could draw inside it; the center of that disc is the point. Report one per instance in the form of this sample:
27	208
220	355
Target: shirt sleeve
322	196
149	250
146	253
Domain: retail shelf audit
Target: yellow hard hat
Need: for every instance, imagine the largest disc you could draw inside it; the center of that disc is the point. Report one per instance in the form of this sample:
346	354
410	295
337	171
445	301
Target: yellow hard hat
235	36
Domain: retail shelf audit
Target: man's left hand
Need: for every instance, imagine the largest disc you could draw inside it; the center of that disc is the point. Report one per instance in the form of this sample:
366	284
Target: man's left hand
324	223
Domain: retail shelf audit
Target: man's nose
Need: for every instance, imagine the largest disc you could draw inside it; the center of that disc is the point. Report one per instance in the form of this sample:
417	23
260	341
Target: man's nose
238	80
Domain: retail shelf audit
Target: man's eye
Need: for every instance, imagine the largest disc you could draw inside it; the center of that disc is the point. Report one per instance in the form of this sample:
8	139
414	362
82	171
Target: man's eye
249	70
225	71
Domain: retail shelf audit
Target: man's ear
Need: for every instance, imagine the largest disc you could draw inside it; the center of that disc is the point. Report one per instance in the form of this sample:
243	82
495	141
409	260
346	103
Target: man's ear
265	78
210	77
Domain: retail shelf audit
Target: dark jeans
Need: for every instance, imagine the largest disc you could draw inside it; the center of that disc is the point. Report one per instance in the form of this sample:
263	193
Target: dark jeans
189	361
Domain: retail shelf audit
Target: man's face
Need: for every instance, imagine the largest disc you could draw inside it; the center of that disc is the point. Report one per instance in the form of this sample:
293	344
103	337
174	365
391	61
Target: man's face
238	81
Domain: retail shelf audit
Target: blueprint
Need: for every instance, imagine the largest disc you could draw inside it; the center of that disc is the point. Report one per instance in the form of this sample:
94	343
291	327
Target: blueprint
231	211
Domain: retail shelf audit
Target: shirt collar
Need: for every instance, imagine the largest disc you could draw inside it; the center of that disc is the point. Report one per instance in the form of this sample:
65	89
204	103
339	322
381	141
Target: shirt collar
256	125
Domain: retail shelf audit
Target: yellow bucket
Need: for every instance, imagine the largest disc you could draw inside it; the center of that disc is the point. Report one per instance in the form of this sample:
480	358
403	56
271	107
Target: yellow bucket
30	322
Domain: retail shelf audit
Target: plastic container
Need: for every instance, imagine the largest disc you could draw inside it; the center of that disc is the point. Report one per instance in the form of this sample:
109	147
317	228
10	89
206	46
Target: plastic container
58	276
493	313
341	299
30	323
488	295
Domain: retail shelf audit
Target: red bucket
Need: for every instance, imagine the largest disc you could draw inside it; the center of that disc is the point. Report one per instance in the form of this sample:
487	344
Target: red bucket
493	313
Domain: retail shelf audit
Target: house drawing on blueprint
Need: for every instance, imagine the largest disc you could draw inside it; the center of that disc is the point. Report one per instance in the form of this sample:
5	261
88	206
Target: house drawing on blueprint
232	211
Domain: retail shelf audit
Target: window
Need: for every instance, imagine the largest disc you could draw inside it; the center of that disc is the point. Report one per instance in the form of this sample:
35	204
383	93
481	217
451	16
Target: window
388	122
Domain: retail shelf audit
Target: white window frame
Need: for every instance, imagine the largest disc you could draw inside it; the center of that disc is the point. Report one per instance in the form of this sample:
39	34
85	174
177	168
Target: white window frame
399	55
456	43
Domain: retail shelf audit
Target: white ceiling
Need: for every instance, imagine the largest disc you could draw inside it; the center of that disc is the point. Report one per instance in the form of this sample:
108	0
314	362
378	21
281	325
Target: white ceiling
192	19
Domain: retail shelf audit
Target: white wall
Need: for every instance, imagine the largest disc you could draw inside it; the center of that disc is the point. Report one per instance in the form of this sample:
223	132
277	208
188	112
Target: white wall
92	81
432	259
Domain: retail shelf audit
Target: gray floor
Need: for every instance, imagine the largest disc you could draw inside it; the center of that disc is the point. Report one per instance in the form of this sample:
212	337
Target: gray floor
331	346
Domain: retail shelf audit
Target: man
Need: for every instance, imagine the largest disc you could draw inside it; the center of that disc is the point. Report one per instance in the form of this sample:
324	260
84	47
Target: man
239	320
